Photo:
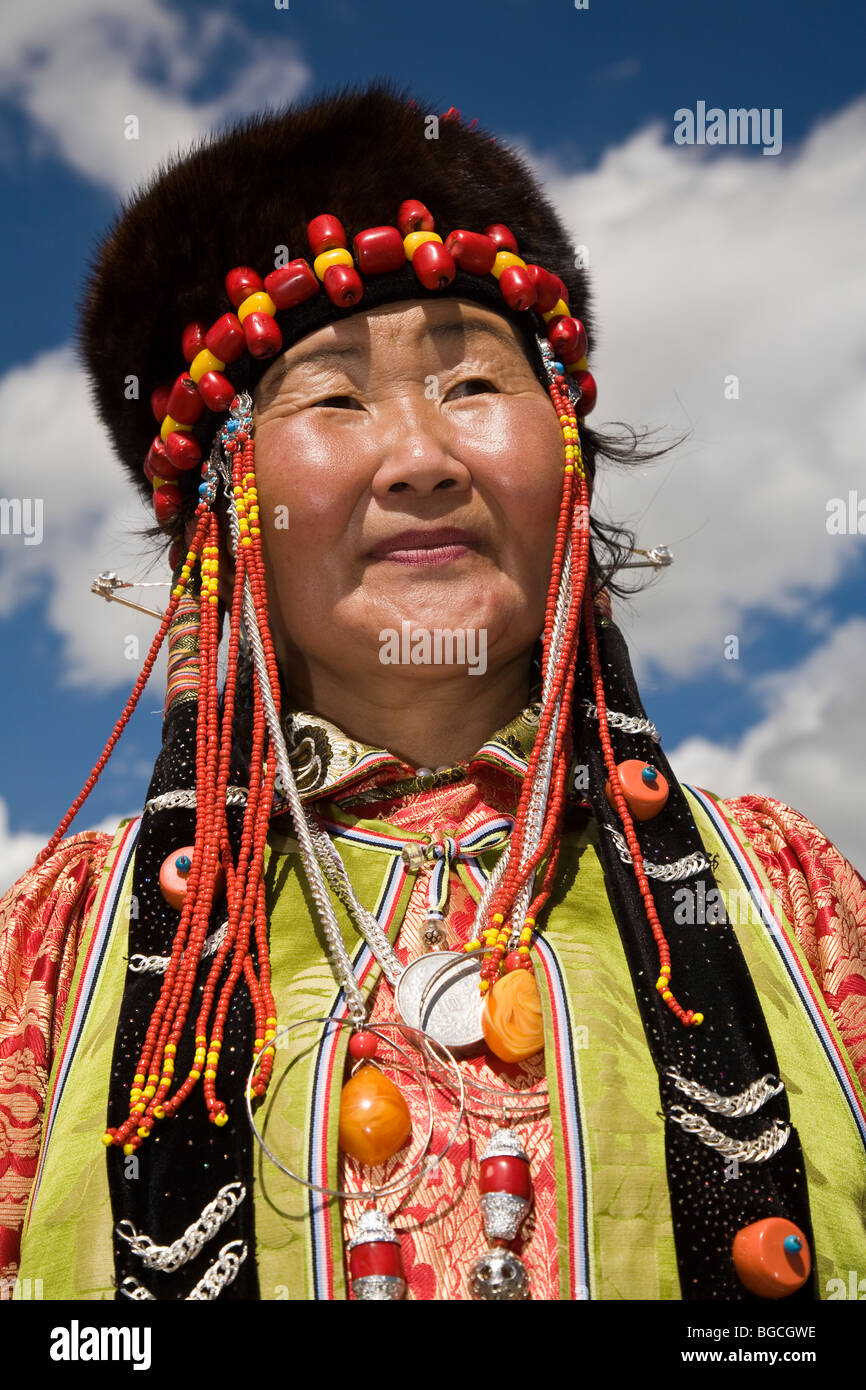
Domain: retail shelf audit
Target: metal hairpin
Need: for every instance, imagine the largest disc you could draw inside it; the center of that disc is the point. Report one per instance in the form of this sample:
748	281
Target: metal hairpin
106	583
658	558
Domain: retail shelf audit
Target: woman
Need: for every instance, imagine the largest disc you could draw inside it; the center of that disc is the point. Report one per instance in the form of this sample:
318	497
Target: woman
415	898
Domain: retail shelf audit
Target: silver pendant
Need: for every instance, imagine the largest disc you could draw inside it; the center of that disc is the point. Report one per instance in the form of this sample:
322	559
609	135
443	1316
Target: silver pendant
439	994
498	1275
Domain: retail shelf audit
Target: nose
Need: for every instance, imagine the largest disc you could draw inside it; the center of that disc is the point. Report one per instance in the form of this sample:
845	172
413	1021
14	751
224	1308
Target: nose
415	455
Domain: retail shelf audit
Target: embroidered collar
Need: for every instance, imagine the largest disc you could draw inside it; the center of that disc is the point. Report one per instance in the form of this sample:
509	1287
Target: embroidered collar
325	760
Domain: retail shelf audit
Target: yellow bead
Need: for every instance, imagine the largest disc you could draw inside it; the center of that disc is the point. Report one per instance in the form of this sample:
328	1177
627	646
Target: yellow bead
108	1139
698	1019
149	1092
195	1075
159	1112
138	1079
142	1132
580	366
339	256
129	1149
257	1043
221	1119
153	1079
503	260
559	308
484	986
168	1067
139	1107
667	994
210	1074
135	1093
168	425
212	1059
269	1035
204	361
497	917
523	951
416	239
259	303
270	1021
170	1049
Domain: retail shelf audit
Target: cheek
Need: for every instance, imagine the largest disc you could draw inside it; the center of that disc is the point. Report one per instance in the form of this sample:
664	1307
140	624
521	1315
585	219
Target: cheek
300	471
524	457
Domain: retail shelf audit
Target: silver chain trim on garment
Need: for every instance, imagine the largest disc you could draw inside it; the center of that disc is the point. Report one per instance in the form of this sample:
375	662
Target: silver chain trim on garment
694	863
628	723
158	965
167	801
168	1258
221	1273
746	1102
757	1150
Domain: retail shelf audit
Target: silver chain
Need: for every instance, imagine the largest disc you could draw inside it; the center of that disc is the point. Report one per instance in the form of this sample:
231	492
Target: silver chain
694	863
627	723
167	801
168	1258
158	965
222	1272
757	1150
745	1102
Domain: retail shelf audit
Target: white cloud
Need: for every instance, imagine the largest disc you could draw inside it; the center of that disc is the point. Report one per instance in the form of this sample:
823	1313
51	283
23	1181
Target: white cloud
710	263
79	68
89	512
805	747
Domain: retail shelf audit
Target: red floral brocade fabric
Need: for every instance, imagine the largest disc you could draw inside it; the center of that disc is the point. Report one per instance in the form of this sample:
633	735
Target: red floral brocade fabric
42	919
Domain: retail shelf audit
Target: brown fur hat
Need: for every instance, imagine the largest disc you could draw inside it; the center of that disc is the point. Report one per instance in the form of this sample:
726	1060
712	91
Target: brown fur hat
241	195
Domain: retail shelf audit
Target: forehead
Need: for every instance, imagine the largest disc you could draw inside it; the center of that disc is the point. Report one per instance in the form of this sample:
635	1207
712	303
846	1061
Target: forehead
449	328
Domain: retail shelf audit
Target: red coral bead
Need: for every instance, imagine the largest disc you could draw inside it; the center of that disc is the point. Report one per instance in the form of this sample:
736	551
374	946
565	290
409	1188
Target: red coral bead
413	216
434	266
216	391
502	237
262	334
183	450
547	287
343	285
159	402
517	289
363	1044
379	249
292	283
506	1173
192	340
325	233
376	1257
472	251
240	283
644	798
588	393
167	502
563	291
512	961
158	464
225	339
567	337
184	402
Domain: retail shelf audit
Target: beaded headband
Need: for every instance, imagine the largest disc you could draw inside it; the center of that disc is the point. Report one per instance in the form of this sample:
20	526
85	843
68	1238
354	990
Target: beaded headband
377	250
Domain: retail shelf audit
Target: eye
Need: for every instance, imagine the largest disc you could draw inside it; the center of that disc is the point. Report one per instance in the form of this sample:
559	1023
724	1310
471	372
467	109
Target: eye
473	386
339	403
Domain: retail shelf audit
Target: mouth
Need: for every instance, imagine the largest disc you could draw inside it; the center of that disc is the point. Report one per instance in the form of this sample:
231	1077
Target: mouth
440	546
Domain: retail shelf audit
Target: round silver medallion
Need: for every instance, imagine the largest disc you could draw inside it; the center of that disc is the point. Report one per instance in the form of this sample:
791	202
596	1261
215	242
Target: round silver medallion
439	994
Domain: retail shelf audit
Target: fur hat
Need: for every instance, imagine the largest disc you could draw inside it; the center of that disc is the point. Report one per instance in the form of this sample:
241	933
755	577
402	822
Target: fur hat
238	197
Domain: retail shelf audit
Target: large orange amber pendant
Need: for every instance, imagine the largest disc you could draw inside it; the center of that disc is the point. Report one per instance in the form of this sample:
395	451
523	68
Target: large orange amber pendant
511	1018
374	1118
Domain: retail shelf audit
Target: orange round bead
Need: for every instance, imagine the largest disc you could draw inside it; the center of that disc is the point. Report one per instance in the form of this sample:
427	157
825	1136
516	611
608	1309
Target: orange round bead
511	1017
174	874
645	796
374	1118
772	1257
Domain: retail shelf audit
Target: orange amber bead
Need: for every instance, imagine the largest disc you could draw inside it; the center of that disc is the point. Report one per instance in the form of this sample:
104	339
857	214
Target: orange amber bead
374	1118
511	1017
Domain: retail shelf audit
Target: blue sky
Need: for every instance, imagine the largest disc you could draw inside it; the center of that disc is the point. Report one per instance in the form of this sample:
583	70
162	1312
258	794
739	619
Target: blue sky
705	262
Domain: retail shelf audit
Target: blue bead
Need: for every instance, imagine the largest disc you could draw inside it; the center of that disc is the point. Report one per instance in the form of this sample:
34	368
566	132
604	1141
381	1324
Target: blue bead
231	425
792	1244
183	863
203	489
558	367
649	773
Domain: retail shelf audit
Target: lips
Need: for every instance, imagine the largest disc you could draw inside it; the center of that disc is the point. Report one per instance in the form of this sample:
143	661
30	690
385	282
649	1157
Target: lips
441	542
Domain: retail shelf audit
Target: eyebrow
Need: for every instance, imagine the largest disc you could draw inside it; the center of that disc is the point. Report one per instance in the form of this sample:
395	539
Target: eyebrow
446	334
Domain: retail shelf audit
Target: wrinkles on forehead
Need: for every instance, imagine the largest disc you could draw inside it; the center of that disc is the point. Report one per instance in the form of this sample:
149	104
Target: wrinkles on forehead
350	347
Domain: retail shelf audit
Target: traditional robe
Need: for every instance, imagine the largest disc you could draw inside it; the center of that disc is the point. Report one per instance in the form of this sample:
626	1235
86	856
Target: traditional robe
601	1224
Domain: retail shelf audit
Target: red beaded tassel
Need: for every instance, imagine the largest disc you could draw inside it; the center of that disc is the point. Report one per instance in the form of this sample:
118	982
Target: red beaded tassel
686	1016
151	1096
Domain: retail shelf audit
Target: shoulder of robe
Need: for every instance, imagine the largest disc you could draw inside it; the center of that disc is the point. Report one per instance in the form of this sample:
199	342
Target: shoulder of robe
824	899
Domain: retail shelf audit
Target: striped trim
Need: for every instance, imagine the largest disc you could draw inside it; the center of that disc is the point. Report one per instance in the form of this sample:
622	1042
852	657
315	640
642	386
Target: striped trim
320	1208
779	935
87	982
573	1138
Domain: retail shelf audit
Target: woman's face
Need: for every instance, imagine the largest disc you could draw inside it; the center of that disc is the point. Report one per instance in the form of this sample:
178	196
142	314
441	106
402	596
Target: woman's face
409	468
